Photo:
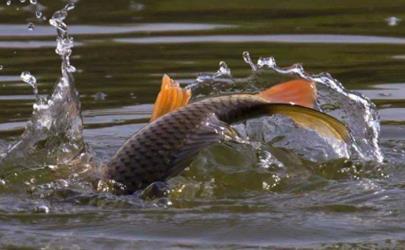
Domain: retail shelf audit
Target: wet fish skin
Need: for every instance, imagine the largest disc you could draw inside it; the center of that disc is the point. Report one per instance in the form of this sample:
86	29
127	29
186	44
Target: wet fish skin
163	148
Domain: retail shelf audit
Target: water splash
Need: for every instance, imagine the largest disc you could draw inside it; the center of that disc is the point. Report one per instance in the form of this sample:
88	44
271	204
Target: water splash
223	73
393	21
364	128
354	109
31	26
55	129
38	14
30	80
37	8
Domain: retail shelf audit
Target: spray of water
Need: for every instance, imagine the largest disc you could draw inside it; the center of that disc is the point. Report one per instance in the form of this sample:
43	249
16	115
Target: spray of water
54	132
355	110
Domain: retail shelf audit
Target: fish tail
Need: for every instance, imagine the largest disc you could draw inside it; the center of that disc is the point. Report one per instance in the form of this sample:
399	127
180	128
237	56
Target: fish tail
324	124
300	92
295	99
170	98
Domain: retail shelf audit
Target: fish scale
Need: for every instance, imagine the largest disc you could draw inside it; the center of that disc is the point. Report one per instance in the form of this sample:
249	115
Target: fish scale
149	154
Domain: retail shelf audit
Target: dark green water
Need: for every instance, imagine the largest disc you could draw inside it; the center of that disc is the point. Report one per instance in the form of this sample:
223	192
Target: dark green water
224	200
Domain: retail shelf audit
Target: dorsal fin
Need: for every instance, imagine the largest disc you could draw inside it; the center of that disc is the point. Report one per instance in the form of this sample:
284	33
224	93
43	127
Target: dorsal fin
170	98
300	92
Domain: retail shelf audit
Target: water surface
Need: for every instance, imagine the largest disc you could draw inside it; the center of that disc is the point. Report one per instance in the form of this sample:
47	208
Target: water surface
224	200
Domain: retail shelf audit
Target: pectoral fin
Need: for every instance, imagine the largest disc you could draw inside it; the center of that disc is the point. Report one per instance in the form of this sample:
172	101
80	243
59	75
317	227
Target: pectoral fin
211	131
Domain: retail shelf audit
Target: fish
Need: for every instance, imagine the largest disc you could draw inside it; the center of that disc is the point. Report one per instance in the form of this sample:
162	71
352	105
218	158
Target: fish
179	130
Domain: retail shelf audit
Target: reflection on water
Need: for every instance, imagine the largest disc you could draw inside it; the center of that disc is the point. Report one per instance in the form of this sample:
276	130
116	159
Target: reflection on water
28	44
9	30
339	39
393	114
225	199
385	95
386	91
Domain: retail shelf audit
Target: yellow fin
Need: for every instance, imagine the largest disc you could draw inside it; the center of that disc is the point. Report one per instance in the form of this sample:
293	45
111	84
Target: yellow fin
322	123
170	98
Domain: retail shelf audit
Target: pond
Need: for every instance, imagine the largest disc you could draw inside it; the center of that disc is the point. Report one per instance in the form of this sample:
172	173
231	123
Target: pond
231	196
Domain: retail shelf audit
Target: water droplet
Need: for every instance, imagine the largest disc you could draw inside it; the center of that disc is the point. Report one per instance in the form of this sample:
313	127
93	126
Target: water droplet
136	6
224	69
31	80
31	26
22	1
71	68
100	96
393	21
248	60
266	62
8	2
42	209
265	186
69	6
1	67
28	78
297	69
33	2
38	14
52	167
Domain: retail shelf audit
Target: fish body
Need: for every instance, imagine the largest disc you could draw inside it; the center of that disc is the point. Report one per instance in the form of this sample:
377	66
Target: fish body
163	148
167	145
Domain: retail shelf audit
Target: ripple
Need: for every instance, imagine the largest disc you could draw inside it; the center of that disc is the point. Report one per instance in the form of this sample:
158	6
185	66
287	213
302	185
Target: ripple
16	97
11	126
385	91
10	78
30	44
43	30
392	114
117	115
393	132
287	38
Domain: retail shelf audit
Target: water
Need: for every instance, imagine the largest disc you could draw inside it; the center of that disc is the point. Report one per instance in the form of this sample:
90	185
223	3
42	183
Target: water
280	192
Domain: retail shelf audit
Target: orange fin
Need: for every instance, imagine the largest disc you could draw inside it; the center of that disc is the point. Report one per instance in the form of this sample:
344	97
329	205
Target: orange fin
300	92
170	98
